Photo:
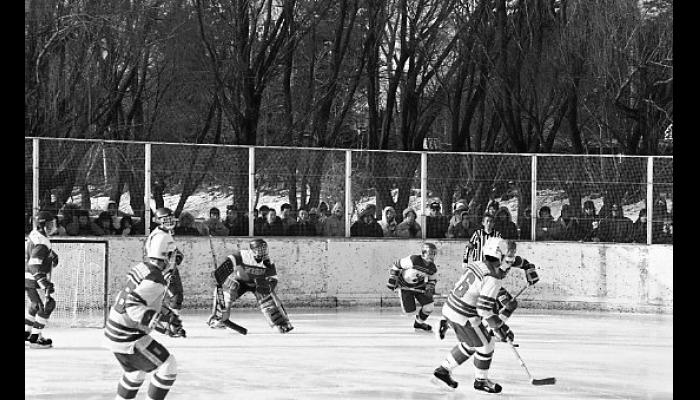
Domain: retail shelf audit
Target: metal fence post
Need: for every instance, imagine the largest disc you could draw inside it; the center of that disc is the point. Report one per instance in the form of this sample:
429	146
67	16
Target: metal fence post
423	191
35	180
348	191
650	197
533	197
251	191
147	190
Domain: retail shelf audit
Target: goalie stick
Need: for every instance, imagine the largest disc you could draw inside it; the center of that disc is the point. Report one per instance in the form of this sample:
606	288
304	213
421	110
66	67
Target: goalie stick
536	382
218	302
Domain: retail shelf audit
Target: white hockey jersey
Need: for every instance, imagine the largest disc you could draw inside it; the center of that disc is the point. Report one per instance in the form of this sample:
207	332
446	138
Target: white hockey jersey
473	297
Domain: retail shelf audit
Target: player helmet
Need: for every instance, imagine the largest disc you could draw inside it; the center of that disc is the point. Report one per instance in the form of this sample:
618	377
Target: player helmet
259	248
428	251
162	247
47	221
412	276
165	218
500	250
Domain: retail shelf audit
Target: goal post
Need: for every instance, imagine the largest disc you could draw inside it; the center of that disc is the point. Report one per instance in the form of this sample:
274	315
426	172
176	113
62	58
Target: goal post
81	283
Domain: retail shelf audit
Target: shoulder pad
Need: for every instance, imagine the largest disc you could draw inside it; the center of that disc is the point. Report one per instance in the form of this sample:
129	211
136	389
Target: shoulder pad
38	239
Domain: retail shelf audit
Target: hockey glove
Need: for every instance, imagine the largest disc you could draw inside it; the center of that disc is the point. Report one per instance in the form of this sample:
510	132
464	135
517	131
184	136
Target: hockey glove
273	284
392	284
503	333
267	263
178	257
430	289
531	274
54	259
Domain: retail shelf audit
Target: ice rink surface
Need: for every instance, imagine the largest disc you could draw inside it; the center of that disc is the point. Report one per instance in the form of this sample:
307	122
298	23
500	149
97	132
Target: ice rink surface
373	354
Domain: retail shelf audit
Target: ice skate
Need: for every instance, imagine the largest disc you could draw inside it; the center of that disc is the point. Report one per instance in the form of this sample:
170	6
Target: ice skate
487	385
37	341
442	329
441	377
422	326
215	323
285	328
26	337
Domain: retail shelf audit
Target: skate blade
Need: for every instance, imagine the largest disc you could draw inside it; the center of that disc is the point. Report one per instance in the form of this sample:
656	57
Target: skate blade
441	385
40	346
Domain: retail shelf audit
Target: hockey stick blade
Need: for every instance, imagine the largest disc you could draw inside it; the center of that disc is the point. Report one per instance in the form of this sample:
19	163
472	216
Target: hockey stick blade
544	381
232	325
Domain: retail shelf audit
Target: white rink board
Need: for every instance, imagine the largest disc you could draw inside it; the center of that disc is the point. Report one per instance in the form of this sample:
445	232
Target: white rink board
374	354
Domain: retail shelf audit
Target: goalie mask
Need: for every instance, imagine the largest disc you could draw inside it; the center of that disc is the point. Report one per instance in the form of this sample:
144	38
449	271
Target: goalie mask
428	251
259	249
161	248
165	219
45	220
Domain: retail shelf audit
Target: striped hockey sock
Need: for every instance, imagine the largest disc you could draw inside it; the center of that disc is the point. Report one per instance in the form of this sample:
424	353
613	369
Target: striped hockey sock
127	388
482	363
159	387
458	355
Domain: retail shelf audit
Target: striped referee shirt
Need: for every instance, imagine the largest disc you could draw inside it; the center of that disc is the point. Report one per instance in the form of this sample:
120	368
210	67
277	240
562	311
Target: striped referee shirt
478	239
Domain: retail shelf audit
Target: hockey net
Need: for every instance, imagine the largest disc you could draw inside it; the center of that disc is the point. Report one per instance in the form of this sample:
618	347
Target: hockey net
80	280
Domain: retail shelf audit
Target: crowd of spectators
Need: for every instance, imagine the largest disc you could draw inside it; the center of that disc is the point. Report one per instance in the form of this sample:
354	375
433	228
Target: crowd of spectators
586	225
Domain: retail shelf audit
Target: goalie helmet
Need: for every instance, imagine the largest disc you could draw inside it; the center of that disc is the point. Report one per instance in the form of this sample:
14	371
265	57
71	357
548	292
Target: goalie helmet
165	218
161	247
259	249
412	276
428	251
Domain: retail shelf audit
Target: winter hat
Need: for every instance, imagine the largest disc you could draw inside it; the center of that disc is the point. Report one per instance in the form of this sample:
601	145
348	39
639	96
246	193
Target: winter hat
337	206
409	210
368	209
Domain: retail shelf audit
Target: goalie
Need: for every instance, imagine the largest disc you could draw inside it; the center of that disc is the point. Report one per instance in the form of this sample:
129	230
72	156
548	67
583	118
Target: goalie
137	310
249	271
414	276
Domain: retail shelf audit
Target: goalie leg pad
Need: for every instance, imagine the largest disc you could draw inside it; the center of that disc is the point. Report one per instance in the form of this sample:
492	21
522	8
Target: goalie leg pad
272	310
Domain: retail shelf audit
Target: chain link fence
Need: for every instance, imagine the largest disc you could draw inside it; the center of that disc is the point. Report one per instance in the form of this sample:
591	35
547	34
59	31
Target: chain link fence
329	192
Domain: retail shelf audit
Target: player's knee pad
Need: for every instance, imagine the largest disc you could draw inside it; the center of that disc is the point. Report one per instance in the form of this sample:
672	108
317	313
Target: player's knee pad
48	308
137	376
168	370
427	308
34	308
488	347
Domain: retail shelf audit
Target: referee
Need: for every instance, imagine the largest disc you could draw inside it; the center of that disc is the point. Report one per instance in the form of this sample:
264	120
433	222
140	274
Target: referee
473	251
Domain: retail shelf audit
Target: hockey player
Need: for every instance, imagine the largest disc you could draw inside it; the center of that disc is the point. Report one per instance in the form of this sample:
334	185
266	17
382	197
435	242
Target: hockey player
137	310
39	259
473	301
251	271
166	222
415	278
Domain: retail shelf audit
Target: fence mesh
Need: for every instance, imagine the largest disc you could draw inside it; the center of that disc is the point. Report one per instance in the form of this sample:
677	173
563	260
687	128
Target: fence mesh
384	179
567	183
192	180
310	181
79	177
28	185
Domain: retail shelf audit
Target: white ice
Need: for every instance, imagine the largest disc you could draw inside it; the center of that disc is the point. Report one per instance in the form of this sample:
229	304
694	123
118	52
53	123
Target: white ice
373	354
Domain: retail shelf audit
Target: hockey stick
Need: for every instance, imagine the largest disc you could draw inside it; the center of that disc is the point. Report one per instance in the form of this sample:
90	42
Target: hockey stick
232	325
536	382
410	289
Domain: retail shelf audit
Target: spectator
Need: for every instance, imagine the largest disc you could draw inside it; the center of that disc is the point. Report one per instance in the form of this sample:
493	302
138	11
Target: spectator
214	224
492	208
435	223
288	217
659	218
126	226
104	221
230	219
525	224
639	228
323	211
545	226
409	228
273	225
388	222
60	230
504	223
185	225
140	226
70	212
316	220
304	226
113	210
54	205
473	250
616	228
366	225
335	224
667	231
589	223
83	227
239	226
463	229
260	220
456	219
569	228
